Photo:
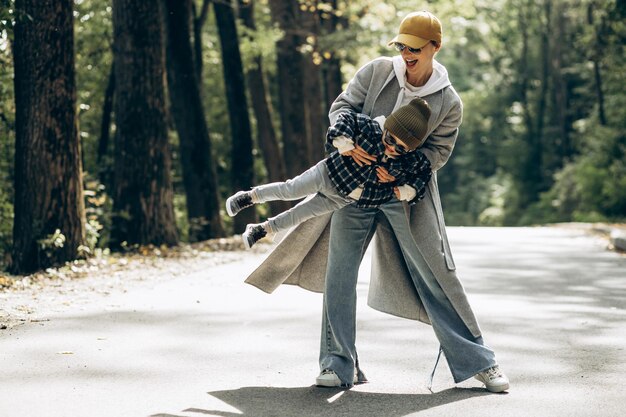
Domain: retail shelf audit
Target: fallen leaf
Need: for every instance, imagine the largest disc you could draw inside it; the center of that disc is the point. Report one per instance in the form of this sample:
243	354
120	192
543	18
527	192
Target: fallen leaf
5	281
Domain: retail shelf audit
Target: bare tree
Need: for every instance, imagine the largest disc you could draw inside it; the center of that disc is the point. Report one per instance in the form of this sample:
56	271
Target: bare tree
143	199
48	177
596	55
199	173
242	165
199	19
316	121
104	168
331	66
262	107
291	77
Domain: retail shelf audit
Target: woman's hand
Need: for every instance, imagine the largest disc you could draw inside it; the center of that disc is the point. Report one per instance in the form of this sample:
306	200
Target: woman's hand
384	175
360	156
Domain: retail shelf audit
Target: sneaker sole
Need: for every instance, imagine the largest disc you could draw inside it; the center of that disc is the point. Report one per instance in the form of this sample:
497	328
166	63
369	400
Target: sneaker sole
500	388
336	383
246	244
327	384
228	209
494	388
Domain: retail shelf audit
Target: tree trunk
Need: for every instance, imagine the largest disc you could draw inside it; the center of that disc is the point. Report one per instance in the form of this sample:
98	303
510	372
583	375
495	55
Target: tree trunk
560	89
598	82
536	163
291	80
596	47
531	166
199	173
331	66
198	21
107	110
332	80
545	68
143	200
48	173
262	107
315	119
105	169
242	164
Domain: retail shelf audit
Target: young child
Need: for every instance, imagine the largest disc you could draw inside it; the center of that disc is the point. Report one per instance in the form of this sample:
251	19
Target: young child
339	180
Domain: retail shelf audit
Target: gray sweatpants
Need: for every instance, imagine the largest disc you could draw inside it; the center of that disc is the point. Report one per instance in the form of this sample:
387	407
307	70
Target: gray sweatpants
315	182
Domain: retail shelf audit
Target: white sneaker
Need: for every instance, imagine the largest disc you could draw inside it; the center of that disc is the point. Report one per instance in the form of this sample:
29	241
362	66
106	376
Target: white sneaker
494	379
253	233
328	378
237	202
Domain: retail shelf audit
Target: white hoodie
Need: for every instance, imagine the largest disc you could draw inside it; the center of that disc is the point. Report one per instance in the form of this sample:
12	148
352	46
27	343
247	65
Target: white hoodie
437	81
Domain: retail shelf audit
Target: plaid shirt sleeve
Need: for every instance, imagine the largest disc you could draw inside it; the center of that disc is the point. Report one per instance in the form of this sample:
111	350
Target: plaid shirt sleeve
415	170
357	126
370	134
346	125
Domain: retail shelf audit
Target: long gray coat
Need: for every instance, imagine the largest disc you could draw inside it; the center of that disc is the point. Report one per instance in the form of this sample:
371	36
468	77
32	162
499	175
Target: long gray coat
300	259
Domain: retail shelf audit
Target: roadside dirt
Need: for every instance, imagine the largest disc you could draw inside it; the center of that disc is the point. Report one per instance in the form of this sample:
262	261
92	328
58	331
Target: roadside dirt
31	298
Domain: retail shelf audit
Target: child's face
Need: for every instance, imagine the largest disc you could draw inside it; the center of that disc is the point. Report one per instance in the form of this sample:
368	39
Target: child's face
393	145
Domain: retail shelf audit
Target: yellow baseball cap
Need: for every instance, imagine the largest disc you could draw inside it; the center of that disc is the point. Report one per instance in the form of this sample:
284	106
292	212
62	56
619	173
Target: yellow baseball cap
417	29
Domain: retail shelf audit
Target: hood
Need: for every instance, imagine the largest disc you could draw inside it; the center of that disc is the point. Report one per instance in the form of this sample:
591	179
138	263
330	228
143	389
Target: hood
437	81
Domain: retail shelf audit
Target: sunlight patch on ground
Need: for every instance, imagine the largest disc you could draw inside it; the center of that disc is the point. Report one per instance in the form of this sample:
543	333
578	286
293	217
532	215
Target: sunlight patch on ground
335	397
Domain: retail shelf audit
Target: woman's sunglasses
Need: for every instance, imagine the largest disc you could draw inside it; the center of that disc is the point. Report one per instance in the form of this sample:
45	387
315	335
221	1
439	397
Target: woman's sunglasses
400	47
389	140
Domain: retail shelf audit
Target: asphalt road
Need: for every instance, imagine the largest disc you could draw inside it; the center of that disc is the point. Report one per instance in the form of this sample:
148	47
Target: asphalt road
551	303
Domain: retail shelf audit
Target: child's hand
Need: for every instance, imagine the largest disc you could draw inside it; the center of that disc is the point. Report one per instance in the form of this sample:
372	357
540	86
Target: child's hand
396	191
384	175
360	156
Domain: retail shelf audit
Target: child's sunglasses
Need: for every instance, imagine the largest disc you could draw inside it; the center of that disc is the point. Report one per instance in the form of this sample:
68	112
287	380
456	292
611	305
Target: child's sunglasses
389	140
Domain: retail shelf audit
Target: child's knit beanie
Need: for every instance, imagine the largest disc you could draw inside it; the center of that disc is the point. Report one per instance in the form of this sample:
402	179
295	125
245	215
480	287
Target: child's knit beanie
410	123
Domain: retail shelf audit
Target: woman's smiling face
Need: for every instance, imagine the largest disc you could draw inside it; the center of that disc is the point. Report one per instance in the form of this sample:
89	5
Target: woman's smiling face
417	63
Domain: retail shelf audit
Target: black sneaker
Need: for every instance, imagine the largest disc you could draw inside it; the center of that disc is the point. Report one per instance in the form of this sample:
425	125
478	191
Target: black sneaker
253	233
238	202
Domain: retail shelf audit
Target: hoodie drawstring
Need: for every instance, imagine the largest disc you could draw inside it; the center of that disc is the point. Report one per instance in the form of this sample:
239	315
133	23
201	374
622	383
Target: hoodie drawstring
400	99
432	375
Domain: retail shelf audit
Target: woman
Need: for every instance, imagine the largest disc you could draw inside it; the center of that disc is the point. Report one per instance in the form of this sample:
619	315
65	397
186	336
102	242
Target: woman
413	273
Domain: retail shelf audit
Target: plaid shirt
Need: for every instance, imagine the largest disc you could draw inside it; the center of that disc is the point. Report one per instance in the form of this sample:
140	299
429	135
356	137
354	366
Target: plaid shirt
411	169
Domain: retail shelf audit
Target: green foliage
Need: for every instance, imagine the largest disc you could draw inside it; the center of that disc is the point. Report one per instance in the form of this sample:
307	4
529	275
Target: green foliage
593	186
50	244
546	150
180	212
7	130
260	42
500	192
92	230
6	227
535	145
98	208
7	8
93	39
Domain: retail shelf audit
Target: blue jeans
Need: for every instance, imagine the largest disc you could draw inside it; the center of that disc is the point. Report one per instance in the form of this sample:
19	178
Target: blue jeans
316	181
351	231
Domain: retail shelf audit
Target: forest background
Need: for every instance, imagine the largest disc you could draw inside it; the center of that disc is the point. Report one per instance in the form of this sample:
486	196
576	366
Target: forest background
243	98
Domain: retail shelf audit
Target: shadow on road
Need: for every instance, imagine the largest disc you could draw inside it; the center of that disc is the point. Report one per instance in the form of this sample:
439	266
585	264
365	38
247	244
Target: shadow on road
313	401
